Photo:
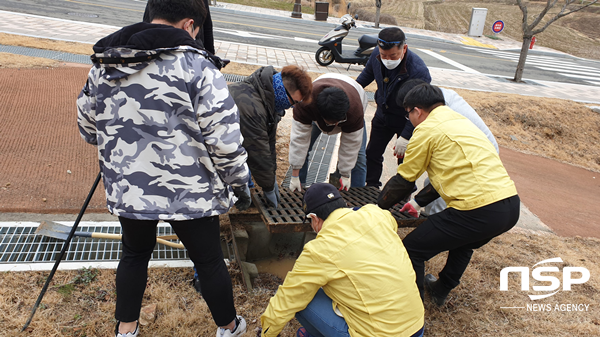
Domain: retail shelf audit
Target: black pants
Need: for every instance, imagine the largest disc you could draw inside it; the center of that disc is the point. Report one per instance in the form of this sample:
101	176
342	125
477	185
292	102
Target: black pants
458	232
201	238
381	134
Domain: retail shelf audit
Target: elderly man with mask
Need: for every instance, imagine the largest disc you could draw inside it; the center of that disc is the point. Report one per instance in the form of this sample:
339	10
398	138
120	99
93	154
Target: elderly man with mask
389	66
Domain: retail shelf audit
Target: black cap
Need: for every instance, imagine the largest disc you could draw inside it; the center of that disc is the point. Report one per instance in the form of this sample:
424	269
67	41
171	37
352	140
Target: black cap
317	195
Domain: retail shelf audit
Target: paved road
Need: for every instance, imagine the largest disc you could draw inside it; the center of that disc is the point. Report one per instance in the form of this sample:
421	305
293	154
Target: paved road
302	35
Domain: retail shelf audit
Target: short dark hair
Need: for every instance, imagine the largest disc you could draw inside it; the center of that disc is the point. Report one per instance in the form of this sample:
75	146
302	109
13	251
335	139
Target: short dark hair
423	96
324	210
333	104
174	11
405	88
392	34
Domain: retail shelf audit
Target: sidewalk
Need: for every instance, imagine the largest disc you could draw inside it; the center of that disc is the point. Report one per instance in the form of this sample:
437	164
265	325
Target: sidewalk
75	31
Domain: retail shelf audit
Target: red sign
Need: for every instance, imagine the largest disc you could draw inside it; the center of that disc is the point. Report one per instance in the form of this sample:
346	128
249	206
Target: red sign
498	26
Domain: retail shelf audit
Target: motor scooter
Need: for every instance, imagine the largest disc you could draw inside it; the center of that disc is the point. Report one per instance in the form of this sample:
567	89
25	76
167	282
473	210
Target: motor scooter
331	43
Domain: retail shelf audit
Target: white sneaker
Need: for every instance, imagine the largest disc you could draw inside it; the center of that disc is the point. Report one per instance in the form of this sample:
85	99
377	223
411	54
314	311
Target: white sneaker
241	328
129	334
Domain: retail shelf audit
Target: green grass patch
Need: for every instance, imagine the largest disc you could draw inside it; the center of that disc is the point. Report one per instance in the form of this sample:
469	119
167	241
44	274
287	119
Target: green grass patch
85	275
493	37
66	289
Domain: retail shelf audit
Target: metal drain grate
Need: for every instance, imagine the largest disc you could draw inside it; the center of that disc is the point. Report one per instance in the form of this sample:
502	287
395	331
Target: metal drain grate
318	161
49	54
289	215
20	245
233	78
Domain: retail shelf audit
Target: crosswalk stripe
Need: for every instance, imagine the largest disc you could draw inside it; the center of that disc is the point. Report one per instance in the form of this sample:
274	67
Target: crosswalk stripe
562	66
573	71
549	63
580	76
449	61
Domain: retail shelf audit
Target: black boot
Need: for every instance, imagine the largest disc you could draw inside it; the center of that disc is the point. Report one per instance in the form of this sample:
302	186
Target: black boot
436	290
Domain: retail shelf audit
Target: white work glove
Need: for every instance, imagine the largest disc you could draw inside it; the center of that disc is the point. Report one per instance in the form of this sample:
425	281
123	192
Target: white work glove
295	184
400	147
412	208
344	183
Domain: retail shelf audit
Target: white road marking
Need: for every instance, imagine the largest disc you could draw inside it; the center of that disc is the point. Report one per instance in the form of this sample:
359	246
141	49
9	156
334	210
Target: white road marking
449	61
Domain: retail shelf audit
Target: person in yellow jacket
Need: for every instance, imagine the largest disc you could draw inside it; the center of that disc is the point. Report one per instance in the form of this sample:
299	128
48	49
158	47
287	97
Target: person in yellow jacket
354	279
465	170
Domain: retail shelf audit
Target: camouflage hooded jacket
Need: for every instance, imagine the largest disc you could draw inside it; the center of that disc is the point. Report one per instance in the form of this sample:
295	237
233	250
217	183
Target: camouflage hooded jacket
255	98
166	128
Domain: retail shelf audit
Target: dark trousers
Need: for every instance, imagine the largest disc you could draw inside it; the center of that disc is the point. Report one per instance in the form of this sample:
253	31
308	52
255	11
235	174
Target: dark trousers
458	232
381	134
201	237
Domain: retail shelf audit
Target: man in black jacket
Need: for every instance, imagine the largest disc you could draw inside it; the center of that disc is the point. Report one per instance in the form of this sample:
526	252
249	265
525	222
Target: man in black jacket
390	66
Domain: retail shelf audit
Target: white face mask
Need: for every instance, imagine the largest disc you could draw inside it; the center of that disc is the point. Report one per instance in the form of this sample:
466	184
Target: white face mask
391	64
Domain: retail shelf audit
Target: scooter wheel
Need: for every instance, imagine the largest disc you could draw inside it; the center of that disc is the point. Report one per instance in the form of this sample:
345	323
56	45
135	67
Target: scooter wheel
324	56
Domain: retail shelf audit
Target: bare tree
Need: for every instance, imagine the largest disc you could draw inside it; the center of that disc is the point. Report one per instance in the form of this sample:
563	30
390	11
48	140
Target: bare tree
377	12
529	29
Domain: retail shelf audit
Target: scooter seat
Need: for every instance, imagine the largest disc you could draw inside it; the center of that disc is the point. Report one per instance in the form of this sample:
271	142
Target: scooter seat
367	41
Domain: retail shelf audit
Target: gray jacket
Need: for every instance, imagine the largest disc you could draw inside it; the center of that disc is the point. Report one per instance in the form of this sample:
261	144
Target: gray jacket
166	128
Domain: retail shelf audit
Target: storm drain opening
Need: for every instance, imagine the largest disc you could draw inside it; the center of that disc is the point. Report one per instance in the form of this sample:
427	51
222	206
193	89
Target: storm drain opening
289	215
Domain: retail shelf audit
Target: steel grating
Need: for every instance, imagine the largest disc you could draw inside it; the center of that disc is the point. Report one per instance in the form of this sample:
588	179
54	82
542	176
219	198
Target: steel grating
20	245
289	215
318	161
49	54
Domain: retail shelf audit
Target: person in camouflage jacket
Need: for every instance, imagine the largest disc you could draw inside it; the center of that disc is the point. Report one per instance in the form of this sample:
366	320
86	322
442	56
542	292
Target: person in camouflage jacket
262	99
169	147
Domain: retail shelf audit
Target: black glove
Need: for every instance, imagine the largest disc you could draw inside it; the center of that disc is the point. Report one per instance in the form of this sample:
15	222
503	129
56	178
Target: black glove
243	195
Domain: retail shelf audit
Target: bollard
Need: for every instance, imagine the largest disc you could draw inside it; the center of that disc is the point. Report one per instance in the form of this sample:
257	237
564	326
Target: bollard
297	13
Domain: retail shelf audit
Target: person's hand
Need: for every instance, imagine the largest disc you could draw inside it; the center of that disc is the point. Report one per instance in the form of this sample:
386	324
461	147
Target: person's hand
243	195
273	196
344	183
400	147
295	184
412	208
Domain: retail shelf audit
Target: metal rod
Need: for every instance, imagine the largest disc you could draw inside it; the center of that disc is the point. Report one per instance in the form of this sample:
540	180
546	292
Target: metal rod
62	252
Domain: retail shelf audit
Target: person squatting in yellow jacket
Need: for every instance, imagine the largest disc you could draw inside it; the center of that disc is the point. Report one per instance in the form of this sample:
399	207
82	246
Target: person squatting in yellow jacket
465	170
354	279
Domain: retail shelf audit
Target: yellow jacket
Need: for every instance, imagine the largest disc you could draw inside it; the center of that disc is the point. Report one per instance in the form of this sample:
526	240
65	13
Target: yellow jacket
462	164
362	265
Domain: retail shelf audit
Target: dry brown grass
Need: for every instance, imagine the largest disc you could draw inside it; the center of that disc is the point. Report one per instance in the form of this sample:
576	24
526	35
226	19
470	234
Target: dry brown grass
473	308
19	61
554	128
34	42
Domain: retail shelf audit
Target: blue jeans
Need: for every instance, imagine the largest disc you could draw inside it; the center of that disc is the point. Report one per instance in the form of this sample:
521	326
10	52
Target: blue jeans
359	172
319	319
